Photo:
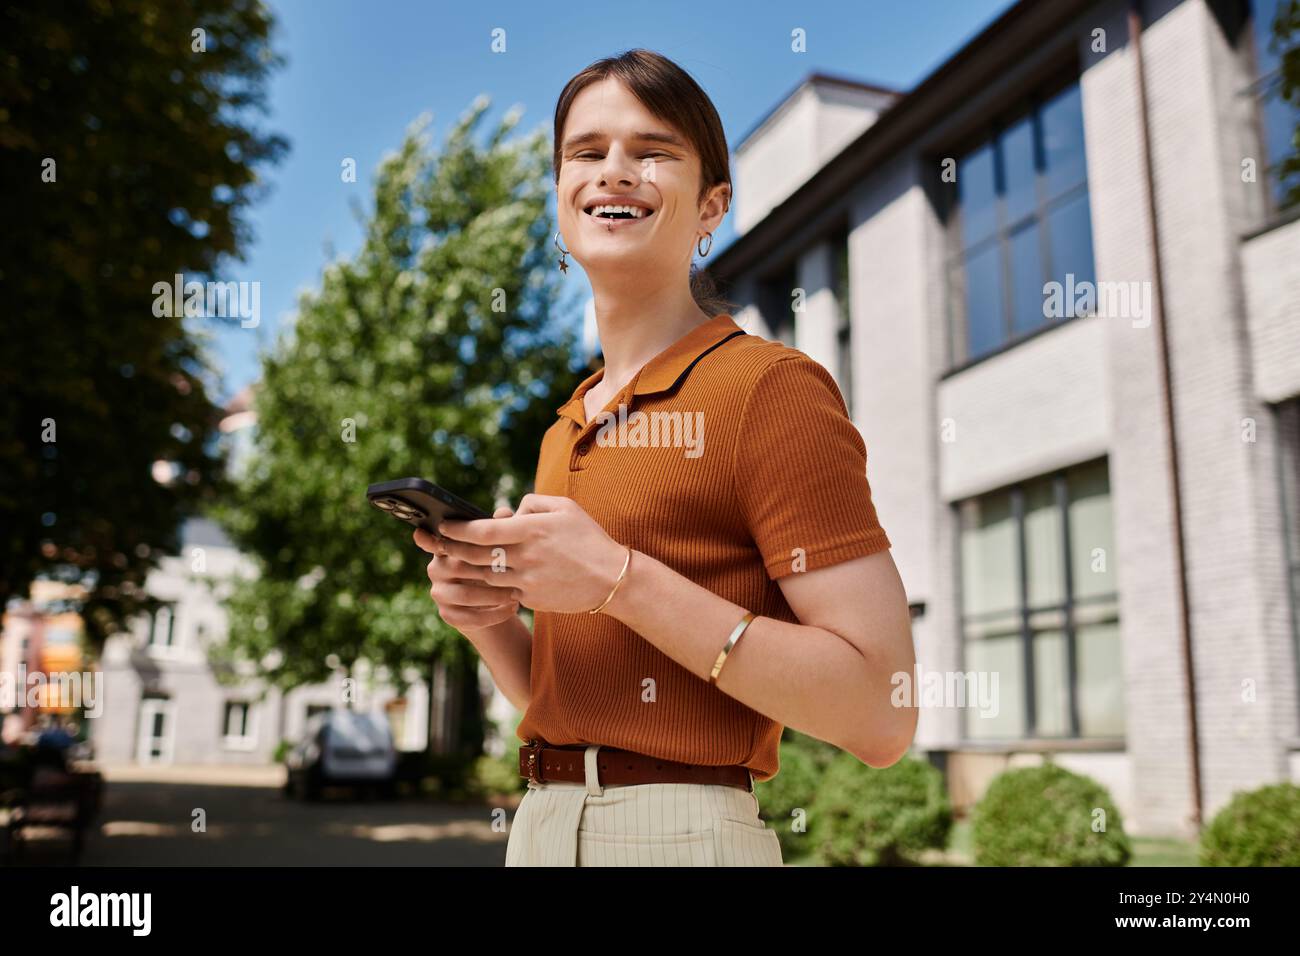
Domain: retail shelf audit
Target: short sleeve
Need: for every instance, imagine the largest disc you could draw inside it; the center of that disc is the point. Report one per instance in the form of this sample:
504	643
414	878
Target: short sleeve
800	471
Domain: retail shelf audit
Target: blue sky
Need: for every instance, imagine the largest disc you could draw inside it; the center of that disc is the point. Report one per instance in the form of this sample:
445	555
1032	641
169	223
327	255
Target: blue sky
358	73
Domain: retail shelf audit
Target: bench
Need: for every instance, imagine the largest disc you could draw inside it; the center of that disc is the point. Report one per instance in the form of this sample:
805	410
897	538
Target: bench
67	800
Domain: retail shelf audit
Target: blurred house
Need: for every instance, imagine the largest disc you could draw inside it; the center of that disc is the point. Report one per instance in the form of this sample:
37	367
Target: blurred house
1101	516
164	701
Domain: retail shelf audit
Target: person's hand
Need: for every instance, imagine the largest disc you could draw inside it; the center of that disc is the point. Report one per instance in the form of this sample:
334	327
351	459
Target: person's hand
553	554
463	600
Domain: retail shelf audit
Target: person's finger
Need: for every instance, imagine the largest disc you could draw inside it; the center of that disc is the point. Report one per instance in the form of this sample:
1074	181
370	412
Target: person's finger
533	503
475	557
437	547
486	532
473	595
426	541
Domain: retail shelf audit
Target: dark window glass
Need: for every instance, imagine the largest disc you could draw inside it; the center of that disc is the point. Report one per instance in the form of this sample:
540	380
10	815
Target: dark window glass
777	305
1018	170
1063	157
1069	235
1287	418
977	188
844	333
1039	608
236	719
1022	204
1026	280
984	300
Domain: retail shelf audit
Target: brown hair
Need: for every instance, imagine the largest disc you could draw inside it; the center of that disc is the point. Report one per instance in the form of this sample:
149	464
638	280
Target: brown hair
672	95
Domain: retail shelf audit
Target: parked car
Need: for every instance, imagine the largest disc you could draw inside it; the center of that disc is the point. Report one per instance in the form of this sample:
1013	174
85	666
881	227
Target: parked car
342	748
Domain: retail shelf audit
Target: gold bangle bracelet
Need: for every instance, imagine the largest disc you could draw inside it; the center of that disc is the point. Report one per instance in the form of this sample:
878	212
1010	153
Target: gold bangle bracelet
731	642
616	583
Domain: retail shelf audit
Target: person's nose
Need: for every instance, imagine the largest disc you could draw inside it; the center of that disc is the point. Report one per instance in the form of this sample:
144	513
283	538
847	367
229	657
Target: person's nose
618	167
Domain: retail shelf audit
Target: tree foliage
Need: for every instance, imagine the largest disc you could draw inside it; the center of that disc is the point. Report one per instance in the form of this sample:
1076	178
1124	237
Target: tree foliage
127	155
1285	31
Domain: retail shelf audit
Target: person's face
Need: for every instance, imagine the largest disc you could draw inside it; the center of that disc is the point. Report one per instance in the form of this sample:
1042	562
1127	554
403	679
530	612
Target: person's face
660	172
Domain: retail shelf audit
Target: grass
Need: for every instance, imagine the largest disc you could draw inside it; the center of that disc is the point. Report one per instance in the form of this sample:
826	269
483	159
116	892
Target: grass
1147	851
1159	851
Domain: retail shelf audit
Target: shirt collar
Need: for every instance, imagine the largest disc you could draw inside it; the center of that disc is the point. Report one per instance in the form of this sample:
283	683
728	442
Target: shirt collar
665	369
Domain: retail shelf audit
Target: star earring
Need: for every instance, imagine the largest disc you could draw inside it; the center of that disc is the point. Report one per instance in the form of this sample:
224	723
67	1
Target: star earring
564	265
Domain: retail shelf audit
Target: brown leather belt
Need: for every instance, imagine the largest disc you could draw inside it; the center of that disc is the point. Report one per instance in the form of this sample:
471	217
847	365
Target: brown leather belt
540	762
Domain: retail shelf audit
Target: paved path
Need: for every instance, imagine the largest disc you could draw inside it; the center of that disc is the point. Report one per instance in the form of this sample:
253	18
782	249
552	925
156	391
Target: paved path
148	813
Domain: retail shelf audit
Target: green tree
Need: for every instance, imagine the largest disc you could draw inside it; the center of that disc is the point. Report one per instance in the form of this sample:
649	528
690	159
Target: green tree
127	155
430	353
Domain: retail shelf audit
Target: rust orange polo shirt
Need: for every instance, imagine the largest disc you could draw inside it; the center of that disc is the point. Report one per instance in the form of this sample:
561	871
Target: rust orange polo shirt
751	471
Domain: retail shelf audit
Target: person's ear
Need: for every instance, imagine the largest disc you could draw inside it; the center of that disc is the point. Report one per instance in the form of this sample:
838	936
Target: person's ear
715	206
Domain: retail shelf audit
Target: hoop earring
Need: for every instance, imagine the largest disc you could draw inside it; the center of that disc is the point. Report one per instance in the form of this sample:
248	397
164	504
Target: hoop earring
564	266
704	252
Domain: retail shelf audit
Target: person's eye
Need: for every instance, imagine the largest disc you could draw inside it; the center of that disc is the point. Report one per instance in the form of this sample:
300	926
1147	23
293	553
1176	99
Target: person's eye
593	153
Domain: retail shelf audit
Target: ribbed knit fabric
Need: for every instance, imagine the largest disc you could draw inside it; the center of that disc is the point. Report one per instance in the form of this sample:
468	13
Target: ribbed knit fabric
778	486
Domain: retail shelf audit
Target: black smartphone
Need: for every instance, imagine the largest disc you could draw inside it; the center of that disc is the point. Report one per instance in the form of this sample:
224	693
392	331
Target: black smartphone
421	503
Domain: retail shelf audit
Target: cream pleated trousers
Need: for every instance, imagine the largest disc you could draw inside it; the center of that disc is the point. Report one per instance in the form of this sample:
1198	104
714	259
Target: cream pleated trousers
566	823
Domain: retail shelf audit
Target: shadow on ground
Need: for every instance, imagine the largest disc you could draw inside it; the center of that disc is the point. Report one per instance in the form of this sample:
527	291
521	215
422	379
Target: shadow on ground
157	824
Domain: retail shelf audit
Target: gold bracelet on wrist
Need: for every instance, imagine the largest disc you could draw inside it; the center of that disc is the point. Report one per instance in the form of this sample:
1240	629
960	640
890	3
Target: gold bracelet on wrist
626	561
731	642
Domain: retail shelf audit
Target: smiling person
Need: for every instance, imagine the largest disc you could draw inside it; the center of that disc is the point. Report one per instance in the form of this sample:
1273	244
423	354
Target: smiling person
687	606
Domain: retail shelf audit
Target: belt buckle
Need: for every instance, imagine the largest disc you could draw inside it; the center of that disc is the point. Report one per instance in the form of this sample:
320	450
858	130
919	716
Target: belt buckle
534	750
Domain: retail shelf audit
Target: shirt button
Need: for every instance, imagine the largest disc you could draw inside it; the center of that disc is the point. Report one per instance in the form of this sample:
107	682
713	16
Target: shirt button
584	448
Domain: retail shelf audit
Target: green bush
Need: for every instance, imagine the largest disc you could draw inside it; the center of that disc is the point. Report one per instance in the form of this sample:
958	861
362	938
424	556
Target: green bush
786	797
863	816
493	776
1044	816
1257	828
500	775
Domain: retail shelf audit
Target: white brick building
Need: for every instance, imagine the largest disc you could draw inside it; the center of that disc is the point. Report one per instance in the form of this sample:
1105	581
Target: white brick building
166	700
1025	466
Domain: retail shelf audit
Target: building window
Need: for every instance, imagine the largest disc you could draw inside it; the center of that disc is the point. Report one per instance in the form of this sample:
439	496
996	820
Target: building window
844	322
157	730
237	724
1288	438
162	627
777	305
1278	118
1039	608
1018	219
